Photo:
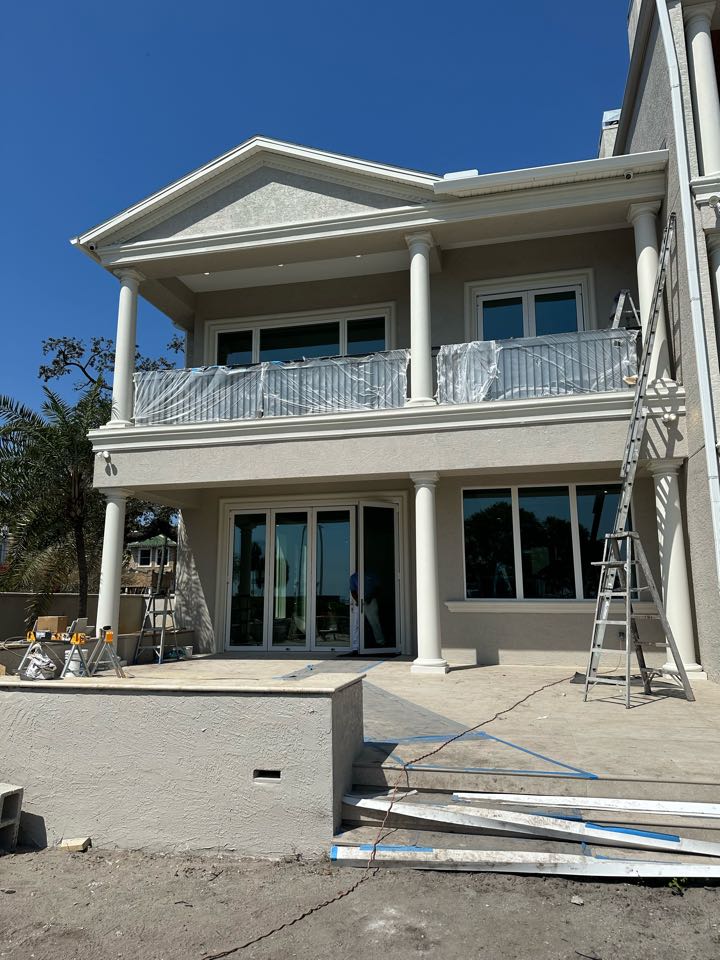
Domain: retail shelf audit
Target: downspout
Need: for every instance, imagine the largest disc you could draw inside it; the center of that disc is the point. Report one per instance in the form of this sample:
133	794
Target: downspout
691	255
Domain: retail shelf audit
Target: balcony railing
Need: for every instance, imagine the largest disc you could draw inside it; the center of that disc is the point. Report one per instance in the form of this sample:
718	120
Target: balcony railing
591	361
587	362
217	394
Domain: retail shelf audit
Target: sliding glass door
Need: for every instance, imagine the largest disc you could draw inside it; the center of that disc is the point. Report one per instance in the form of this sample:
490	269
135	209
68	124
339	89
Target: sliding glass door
314	578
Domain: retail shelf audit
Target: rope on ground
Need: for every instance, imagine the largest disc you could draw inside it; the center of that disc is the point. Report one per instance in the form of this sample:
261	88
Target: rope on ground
370	870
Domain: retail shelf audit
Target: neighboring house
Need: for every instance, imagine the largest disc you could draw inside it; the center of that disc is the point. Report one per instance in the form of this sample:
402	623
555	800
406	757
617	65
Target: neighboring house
462	506
144	562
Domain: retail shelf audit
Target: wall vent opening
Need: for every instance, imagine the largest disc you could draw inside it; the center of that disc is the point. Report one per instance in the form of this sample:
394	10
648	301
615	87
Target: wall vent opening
266	774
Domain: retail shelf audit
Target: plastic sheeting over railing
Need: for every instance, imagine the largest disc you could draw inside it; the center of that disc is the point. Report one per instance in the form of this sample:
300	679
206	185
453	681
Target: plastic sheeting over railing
592	361
217	394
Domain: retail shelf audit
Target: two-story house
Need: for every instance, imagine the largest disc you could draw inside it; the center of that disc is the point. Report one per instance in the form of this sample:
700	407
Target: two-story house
403	409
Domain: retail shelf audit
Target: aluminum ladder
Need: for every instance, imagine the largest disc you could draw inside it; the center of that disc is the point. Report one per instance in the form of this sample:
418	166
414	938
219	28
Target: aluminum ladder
623	554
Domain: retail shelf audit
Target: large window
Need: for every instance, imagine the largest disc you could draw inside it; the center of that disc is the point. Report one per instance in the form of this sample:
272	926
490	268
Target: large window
534	307
353	335
536	543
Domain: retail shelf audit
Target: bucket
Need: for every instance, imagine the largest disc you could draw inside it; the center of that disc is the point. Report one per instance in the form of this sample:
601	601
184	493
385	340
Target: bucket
188	652
76	668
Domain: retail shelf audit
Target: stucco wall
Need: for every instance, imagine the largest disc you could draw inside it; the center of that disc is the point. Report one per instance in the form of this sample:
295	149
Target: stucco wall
13	611
651	127
520	636
173	769
265	197
609	253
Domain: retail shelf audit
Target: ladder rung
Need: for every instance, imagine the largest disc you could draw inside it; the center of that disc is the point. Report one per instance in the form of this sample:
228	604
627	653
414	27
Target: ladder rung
612	623
615	683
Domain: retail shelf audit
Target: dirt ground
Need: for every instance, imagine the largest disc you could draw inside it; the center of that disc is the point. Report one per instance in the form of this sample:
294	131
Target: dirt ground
108	905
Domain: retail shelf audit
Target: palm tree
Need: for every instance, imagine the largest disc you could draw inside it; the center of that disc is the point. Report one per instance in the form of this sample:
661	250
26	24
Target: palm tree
46	494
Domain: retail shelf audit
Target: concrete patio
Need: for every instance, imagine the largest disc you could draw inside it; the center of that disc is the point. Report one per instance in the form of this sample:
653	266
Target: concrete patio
663	747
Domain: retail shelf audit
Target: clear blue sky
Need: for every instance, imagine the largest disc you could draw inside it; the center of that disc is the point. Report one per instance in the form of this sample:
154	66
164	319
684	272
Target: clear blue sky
104	104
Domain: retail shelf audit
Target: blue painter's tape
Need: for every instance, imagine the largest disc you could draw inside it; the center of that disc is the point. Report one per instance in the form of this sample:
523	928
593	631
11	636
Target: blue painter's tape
364	669
333	852
575	775
395	847
670	837
541	756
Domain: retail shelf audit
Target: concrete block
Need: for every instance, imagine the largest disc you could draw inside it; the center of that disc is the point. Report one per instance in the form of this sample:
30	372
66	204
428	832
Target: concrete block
78	845
11	798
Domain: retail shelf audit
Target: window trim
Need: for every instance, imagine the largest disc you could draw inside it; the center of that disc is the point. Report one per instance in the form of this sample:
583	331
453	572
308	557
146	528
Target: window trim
339	315
525	286
517	545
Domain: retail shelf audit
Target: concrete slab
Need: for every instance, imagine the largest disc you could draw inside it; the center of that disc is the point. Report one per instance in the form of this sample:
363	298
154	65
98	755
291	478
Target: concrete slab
663	740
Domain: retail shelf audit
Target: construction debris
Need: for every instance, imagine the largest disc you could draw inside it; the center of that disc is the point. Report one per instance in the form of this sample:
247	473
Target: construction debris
530	842
78	845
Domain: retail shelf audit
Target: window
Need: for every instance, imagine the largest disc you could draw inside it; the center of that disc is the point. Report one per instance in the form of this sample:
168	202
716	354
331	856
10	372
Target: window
235	349
536	543
355	334
537	306
489	552
300	342
144	557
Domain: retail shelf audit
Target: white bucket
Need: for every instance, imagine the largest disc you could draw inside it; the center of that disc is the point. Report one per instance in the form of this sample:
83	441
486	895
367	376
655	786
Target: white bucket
188	652
76	669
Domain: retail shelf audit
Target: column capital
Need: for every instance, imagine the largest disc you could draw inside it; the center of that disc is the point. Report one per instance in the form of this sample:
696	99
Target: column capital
699	11
665	468
420	240
116	495
425	479
129	275
643	209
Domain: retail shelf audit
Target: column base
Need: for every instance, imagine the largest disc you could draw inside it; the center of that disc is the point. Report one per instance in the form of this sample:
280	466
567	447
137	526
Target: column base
116	424
693	670
429	666
421	402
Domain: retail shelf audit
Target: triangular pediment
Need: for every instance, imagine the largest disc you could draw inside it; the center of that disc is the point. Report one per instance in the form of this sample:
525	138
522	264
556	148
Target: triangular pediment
269	196
264	183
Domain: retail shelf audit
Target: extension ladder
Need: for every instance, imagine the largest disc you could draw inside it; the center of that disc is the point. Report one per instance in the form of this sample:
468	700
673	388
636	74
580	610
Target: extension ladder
623	553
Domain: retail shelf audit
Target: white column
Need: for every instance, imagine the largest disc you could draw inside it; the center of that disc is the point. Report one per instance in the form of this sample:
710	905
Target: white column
429	658
643	217
703	81
125	347
421	373
673	561
108	612
713	243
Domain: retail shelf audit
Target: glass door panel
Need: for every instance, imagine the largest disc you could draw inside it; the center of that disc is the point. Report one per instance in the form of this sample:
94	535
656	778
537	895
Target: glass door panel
247	593
333	546
378	579
290	594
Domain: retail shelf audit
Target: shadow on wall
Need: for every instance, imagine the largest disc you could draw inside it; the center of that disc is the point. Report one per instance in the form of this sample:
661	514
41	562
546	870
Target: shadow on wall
190	601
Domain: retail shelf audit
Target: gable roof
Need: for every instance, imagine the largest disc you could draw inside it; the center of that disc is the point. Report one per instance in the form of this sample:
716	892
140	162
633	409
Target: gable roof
257	150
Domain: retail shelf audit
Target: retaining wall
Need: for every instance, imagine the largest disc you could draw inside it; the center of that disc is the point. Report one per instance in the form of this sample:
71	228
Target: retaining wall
170	766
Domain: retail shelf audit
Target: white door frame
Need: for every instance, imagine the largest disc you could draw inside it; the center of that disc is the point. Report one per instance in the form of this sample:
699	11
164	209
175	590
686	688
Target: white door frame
228	507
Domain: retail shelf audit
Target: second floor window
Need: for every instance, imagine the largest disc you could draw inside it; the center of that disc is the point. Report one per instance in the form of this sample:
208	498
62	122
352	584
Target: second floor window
302	341
511	310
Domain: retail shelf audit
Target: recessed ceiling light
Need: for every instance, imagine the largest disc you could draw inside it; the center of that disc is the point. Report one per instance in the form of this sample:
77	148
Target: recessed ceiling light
281	264
207	273
357	256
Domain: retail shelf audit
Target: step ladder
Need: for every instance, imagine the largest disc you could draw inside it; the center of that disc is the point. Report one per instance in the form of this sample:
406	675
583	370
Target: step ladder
623	554
158	607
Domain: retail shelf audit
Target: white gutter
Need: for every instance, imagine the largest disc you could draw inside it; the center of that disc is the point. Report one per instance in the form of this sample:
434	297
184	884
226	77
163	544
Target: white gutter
577	170
691	255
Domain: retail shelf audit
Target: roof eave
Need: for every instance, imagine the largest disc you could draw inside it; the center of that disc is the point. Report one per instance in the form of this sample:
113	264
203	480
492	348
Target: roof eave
575	172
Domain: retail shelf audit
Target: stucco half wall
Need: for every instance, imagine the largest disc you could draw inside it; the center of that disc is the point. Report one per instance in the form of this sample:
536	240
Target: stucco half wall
167	767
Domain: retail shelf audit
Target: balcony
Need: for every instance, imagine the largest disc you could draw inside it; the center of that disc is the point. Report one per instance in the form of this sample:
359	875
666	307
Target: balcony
595	361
